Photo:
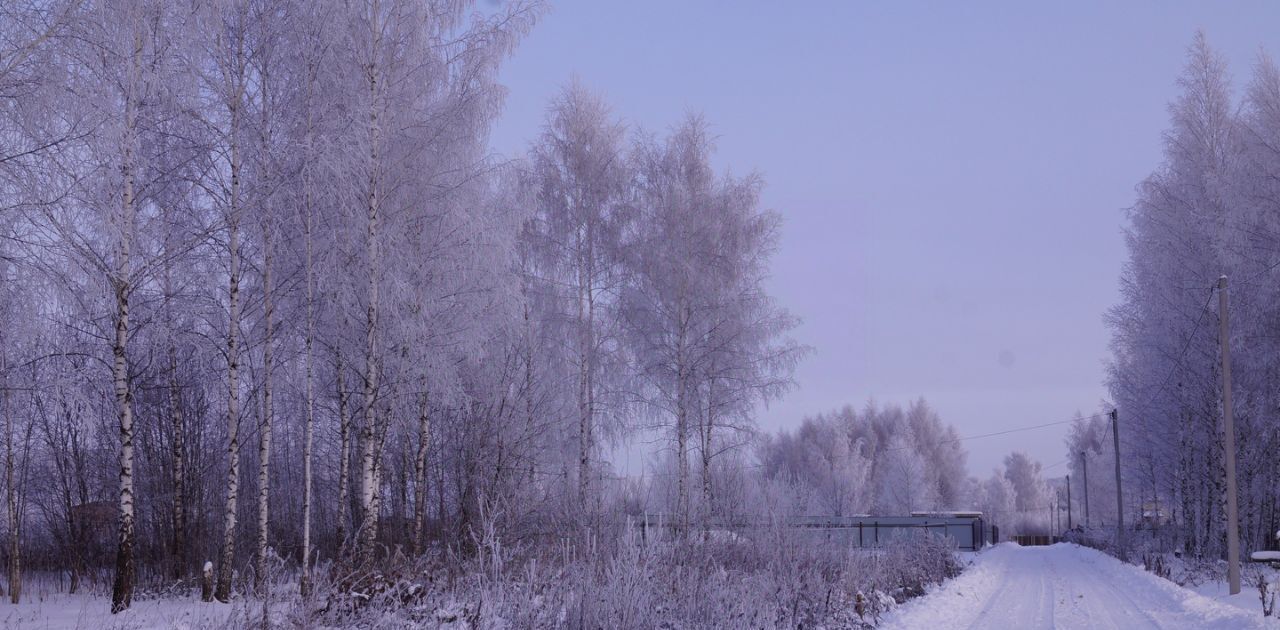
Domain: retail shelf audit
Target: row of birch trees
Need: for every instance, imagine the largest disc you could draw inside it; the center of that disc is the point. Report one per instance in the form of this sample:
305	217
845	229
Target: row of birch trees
1211	208
268	295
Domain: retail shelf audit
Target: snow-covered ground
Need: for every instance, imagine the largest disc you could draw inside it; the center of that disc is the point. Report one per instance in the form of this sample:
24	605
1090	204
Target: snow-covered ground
1246	599
86	612
1069	586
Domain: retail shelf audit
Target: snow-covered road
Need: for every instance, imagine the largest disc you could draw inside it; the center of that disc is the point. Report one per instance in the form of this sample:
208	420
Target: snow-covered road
1065	586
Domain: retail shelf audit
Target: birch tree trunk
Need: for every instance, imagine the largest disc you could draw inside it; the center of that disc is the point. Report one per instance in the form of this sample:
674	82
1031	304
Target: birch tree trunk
122	588
682	428
420	476
308	439
707	429
374	509
344	463
590	355
225	568
370	454
228	554
380	430
11	488
179	550
586	357
264	434
584	408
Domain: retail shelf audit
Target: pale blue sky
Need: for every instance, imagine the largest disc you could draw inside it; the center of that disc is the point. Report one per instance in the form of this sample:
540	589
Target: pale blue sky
952	175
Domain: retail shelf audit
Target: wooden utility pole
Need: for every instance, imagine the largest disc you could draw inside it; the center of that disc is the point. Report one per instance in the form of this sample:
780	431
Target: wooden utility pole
1069	502
1115	435
1085	463
1229	437
1057	511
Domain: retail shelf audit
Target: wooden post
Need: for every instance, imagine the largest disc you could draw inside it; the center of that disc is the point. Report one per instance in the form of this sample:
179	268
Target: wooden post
1068	501
1085	464
1115	434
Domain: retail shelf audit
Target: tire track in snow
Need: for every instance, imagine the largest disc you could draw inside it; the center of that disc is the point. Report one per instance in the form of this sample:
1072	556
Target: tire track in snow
1109	598
1065	586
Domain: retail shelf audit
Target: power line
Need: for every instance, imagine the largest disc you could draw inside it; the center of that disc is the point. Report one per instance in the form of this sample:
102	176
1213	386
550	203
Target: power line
1187	346
1177	363
1252	280
995	434
1165	383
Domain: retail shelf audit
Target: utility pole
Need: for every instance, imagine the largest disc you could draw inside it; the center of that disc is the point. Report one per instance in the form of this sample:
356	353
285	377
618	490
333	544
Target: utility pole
1068	501
1057	511
1085	463
1115	434
1229	436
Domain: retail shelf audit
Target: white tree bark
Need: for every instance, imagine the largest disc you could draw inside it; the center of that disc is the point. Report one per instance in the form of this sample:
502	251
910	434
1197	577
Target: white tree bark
370	453
226	565
225	568
344	457
267	110
122	589
264	434
308	439
420	475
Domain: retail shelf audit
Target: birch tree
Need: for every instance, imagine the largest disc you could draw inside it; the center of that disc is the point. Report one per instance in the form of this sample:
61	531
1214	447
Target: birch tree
273	99
308	61
1165	376
121	221
581	186
223	60
422	89
663	307
708	338
115	84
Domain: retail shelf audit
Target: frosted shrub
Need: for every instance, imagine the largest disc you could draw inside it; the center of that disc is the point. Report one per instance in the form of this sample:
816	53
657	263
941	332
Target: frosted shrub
765	578
916	562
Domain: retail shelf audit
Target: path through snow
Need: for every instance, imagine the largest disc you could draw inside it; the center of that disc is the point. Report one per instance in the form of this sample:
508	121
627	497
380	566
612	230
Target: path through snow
1066	586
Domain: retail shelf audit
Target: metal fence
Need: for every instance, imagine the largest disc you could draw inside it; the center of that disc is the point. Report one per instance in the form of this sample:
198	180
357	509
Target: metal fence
969	533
